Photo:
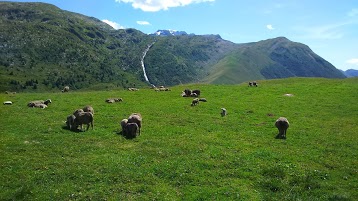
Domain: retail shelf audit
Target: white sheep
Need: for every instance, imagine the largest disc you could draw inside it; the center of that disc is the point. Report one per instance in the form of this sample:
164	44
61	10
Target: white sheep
282	125
40	105
223	112
136	118
32	103
66	89
7	103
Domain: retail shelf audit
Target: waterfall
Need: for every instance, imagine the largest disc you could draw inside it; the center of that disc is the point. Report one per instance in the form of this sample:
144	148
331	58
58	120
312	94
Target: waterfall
142	62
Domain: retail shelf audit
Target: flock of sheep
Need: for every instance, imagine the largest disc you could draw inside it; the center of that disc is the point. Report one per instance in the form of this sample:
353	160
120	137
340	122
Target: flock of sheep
131	127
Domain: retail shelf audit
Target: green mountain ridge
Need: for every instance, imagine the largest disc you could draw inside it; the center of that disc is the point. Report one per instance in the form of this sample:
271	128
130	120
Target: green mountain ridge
46	48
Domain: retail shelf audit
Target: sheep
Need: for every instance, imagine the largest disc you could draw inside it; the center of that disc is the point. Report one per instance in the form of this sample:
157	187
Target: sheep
132	130
70	122
197	91
66	89
223	112
84	118
187	92
112	100
254	83
7	103
33	103
250	84
136	118
39	105
88	108
282	125
76	112
193	95
202	99
195	102
123	125
133	89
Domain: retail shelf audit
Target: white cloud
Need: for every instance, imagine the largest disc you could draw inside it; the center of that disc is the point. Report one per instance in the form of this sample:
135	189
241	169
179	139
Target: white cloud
353	12
115	25
157	5
330	31
270	27
143	23
353	61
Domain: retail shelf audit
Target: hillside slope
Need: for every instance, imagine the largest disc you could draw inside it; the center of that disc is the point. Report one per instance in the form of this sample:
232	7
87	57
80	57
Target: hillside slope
46	48
269	59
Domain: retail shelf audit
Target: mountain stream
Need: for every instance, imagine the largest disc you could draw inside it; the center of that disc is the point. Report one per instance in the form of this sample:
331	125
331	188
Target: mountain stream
142	62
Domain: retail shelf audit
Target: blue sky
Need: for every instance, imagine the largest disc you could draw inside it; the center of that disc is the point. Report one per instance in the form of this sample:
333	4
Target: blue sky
328	27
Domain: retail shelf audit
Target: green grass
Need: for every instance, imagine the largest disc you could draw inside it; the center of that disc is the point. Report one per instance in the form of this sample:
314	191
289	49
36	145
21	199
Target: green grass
184	152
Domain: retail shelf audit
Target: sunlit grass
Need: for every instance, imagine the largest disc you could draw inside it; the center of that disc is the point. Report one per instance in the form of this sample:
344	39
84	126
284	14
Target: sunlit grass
184	152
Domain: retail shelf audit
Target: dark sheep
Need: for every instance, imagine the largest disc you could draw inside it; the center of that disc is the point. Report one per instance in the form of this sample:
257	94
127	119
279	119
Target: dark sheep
197	91
282	125
71	122
136	118
132	130
84	118
195	102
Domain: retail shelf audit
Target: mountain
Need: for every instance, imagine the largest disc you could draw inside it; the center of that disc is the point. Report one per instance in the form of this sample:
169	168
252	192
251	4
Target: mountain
45	48
169	33
351	73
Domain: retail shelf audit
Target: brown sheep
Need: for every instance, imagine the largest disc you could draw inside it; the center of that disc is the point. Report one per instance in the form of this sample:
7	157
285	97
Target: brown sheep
282	125
84	118
136	118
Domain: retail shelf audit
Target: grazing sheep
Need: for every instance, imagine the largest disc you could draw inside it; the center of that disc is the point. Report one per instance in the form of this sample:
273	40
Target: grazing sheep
77	112
84	118
71	122
223	112
7	103
123	125
88	108
66	89
136	118
197	91
203	100
132	130
250	84
195	102
282	125
187	92
254	83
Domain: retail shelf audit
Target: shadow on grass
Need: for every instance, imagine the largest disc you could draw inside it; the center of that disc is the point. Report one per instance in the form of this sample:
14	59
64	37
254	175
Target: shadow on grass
72	130
126	136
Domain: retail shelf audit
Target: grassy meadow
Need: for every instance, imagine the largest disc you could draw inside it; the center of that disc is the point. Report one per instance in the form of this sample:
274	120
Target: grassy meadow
184	152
